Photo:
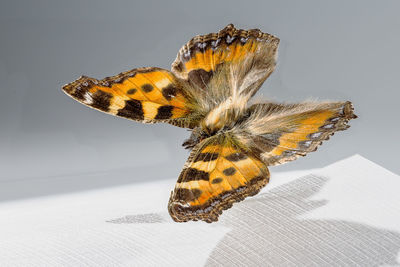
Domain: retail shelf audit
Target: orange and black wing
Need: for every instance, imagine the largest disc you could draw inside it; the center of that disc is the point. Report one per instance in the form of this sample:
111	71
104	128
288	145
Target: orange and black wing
143	94
246	50
218	173
280	133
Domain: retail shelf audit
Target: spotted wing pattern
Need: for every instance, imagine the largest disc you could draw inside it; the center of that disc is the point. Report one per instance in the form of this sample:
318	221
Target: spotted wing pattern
144	94
285	132
208	71
202	56
217	174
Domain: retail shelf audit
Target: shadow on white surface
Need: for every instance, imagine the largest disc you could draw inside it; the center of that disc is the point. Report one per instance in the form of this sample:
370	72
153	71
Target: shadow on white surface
140	218
268	229
345	214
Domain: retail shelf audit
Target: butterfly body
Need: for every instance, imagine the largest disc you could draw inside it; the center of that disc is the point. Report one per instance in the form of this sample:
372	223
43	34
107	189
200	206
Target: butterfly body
233	139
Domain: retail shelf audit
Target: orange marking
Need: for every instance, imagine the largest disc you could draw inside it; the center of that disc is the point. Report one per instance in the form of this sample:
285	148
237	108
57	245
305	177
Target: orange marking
209	59
310	125
178	101
178	113
219	187
211	148
157	97
121	89
246	170
151	100
152	76
198	62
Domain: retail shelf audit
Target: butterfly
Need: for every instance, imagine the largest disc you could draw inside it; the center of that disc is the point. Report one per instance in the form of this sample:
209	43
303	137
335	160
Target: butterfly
233	139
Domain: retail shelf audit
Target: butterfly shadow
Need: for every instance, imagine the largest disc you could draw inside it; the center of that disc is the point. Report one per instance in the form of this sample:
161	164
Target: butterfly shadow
268	230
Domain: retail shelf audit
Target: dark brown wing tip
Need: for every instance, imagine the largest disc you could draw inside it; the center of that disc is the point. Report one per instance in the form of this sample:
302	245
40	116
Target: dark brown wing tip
72	87
334	124
339	122
210	211
230	26
256	33
348	111
78	88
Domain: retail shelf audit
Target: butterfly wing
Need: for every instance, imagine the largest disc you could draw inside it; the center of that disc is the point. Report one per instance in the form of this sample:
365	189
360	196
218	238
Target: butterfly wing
219	172
228	167
143	94
229	60
279	133
249	55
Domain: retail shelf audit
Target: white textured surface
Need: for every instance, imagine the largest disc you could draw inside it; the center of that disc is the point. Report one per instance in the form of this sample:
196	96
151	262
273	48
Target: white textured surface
345	214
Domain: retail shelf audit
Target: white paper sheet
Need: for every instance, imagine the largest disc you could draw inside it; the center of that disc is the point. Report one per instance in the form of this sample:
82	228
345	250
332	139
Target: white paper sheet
345	214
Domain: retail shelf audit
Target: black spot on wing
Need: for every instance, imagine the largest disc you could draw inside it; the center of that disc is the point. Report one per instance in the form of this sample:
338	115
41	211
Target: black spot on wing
229	171
164	113
187	195
192	174
236	157
133	110
101	100
206	157
147	88
216	180
169	92
131	91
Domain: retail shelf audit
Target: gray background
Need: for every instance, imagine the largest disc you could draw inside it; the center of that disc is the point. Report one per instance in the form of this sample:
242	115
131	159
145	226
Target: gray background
338	50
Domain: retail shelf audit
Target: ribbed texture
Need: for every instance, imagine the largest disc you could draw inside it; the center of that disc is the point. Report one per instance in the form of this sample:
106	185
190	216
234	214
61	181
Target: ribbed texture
347	214
270	232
